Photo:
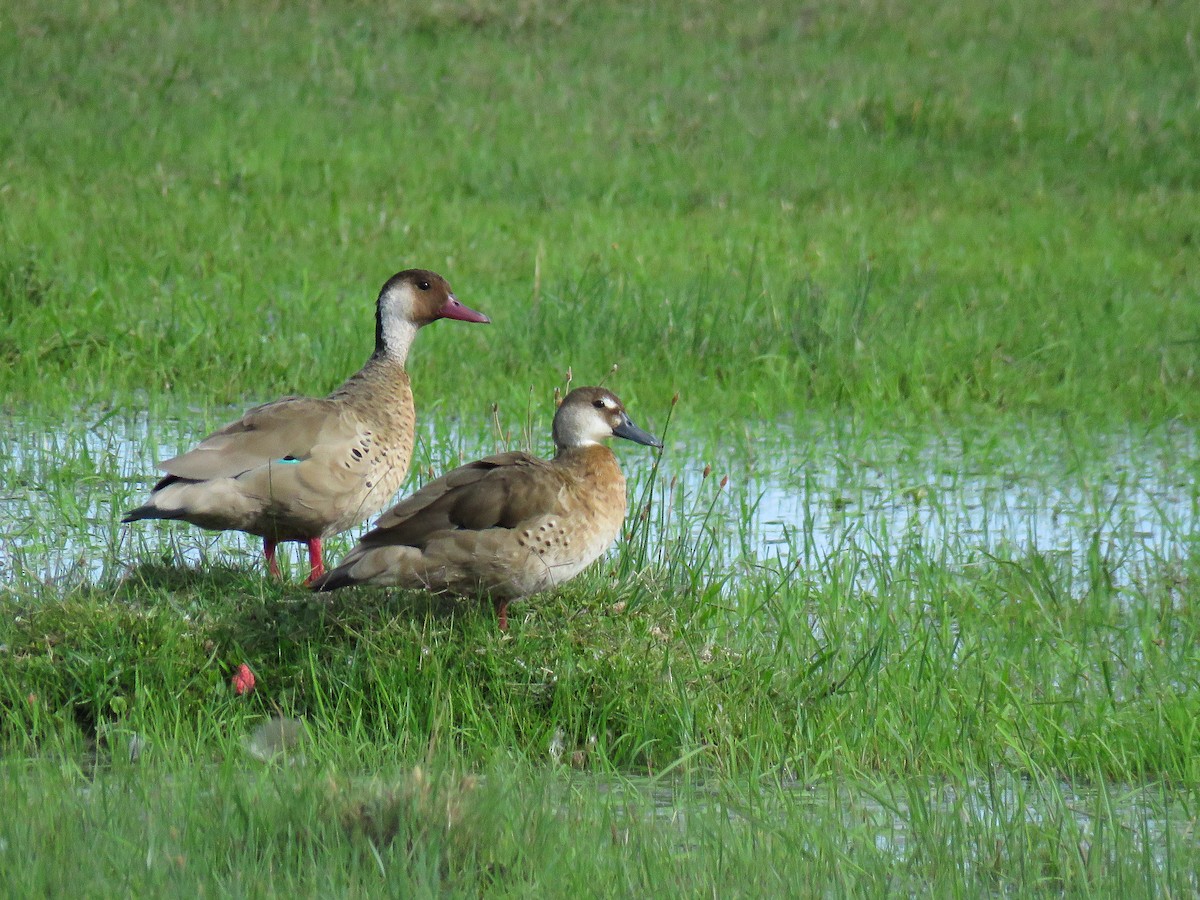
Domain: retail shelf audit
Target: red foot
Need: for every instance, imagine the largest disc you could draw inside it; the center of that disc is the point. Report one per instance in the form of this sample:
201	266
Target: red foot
269	553
316	561
502	614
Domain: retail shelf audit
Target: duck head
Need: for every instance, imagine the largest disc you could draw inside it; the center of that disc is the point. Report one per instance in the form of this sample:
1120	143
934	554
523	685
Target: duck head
589	415
409	300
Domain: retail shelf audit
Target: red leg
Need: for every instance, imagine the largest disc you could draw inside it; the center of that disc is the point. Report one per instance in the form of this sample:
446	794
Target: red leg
502	614
269	553
316	561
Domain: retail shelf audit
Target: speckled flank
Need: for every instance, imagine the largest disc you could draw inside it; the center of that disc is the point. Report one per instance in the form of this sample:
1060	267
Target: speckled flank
380	456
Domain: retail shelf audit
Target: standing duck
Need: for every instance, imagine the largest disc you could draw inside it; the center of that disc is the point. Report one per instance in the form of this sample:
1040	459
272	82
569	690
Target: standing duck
302	468
509	525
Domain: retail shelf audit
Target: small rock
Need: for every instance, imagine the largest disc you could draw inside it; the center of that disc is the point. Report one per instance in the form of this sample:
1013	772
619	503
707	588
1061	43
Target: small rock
556	746
278	736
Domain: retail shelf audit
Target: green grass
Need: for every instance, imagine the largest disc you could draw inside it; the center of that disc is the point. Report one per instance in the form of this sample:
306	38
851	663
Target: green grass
887	715
898	208
881	250
516	830
882	714
979	729
934	667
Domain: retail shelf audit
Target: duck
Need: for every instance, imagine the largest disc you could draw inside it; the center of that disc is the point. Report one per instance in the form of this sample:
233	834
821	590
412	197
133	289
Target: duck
305	468
507	526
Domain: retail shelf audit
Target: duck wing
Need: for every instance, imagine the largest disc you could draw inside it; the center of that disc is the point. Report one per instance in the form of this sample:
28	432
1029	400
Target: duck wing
499	491
285	430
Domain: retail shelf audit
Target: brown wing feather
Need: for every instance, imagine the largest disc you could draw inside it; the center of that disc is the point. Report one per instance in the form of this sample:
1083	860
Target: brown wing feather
497	492
290	427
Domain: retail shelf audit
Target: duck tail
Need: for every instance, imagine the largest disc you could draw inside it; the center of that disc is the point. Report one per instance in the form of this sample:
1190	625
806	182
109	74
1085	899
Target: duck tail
333	580
150	511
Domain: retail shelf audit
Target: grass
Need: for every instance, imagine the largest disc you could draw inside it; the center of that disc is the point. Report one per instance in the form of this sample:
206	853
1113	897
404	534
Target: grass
981	730
995	670
518	830
1070	653
890	716
862	704
964	209
901	264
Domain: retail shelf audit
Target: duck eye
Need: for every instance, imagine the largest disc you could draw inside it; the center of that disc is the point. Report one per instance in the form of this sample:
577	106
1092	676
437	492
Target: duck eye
599	404
423	285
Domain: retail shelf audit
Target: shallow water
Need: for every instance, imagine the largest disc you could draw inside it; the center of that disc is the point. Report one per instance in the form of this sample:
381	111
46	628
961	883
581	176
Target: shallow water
977	826
959	494
796	494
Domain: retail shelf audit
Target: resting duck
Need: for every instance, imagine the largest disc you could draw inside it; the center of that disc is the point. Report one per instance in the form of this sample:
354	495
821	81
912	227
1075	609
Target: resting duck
510	525
302	468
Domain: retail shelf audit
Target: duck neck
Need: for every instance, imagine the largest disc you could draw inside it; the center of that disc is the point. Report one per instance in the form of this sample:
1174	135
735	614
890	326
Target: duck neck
382	381
393	337
588	457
